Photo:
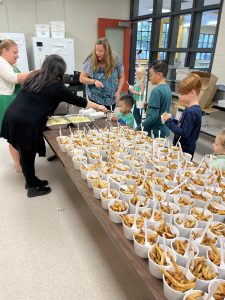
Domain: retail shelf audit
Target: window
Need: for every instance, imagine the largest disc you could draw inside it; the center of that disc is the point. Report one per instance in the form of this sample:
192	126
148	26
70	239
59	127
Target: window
202	60
211	2
205	40
166	6
143	40
145	7
179	60
184	29
161	55
186	4
164	30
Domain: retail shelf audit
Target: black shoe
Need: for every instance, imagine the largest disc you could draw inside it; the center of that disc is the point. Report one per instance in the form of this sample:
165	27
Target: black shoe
38	191
39	182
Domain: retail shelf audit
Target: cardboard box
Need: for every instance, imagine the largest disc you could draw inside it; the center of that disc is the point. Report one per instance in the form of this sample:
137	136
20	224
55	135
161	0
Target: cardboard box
207	92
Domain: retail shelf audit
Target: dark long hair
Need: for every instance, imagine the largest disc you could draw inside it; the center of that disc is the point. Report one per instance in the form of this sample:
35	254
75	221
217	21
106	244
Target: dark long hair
52	70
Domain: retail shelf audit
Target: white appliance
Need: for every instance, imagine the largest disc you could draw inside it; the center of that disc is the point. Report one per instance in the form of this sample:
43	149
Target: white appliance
19	38
42	47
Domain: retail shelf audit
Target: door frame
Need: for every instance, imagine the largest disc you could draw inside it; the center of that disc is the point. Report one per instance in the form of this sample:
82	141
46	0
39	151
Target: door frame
102	24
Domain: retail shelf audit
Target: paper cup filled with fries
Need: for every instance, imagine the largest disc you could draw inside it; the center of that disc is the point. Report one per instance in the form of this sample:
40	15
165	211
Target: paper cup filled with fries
128	228
196	295
220	291
116	209
171	232
141	247
202	216
179	245
217	228
185	224
157	259
204	272
107	197
176	282
206	242
214	256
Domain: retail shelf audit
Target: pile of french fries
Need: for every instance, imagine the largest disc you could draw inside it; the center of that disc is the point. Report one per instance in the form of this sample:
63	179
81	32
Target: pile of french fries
218	229
129	221
220	292
200	215
195	295
119	206
140	238
177	280
165	228
202	270
187	223
158	255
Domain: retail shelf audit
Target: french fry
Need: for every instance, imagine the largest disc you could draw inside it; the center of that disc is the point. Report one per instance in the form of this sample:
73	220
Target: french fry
214	255
200	215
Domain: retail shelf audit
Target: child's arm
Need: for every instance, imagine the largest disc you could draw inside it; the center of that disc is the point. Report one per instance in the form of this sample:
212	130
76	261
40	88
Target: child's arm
187	126
142	86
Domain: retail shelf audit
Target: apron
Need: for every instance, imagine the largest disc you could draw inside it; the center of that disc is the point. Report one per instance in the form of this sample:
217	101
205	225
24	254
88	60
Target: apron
6	100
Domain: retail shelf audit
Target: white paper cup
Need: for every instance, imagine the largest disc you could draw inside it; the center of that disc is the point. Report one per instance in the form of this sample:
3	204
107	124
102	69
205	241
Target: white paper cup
184	231
181	259
202	224
91	176
68	148
215	223
141	208
78	160
203	284
134	179
188	199
105	201
203	248
125	196
118	178
84	171
154	268
215	281
168	241
174	207
219	217
190	293
115	216
129	231
62	141
170	293
97	191
142	250
221	271
76	151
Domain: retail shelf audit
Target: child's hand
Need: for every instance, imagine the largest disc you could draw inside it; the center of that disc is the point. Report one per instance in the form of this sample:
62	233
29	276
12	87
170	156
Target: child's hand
131	88
117	95
165	116
114	118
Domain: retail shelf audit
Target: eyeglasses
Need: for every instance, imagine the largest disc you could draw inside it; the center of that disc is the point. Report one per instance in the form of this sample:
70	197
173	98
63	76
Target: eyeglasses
150	75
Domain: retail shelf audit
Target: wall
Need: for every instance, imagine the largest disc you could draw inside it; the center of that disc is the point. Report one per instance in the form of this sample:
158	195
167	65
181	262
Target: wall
80	19
219	58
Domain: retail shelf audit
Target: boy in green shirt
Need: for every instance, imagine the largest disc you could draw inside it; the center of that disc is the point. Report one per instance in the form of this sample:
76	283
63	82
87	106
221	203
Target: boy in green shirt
125	116
159	100
219	151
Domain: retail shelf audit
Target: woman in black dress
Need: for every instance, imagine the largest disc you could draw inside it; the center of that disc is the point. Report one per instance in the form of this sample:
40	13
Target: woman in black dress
25	119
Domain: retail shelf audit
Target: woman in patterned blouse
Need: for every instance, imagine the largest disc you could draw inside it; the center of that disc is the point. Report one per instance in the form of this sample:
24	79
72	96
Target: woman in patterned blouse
103	74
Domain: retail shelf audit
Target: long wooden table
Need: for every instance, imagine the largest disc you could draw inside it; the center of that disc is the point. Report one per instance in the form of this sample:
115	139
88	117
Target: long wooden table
139	266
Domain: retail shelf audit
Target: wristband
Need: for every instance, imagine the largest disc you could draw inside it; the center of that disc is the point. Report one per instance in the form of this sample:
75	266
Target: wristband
94	81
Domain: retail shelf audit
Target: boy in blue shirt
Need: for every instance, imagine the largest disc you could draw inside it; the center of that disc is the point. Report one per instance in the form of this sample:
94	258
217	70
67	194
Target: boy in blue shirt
187	129
159	100
125	116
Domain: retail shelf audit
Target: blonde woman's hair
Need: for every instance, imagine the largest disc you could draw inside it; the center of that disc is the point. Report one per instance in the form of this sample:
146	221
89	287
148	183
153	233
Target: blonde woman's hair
190	83
221	136
142	70
109	57
6	44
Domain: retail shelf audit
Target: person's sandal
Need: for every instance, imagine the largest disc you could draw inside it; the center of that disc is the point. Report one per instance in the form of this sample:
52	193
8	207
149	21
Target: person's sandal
38	191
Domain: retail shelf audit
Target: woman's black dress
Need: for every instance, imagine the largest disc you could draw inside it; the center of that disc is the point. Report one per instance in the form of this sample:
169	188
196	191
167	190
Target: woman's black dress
25	118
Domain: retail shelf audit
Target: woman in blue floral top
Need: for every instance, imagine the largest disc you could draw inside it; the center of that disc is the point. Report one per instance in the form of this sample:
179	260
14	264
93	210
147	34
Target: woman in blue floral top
103	74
